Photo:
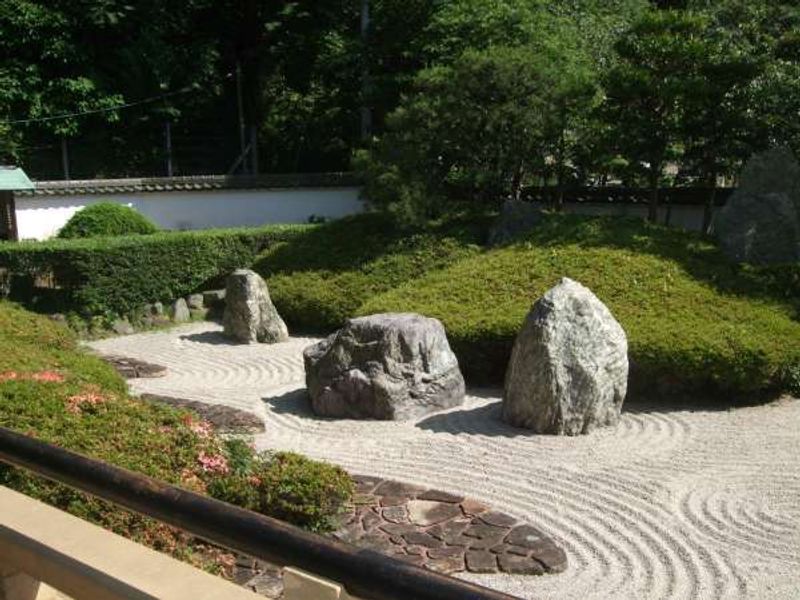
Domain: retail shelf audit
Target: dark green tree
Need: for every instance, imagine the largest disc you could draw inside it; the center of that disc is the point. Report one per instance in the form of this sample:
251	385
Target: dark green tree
647	91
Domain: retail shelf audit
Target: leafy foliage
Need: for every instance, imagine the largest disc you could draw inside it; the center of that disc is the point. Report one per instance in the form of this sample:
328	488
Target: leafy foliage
52	390
364	256
119	275
106	219
695	322
284	485
479	128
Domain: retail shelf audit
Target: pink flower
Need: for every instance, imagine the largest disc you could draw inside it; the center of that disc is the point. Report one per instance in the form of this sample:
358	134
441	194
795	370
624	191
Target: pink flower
75	404
202	429
44	376
253	480
48	376
165	429
212	463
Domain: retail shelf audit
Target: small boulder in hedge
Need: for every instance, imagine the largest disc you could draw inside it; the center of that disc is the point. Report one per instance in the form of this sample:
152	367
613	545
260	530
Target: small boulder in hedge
106	219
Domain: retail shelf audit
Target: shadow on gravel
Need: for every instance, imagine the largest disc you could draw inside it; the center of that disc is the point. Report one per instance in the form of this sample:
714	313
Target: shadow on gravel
295	403
215	338
481	420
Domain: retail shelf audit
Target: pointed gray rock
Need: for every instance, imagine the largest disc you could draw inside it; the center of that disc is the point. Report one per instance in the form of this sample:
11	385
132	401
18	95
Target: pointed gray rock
180	311
250	315
569	367
387	366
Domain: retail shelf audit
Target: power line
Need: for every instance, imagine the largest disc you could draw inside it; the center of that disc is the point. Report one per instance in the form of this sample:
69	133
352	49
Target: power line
96	111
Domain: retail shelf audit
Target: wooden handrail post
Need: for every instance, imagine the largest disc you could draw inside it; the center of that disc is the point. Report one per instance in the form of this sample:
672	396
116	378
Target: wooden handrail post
15	585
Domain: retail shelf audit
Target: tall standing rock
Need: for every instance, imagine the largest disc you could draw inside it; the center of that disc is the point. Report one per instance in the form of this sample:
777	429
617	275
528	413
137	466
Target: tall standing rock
387	366
760	224
569	367
250	315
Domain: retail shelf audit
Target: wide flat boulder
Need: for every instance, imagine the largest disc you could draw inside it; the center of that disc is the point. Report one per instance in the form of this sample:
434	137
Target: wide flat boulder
250	316
568	372
385	366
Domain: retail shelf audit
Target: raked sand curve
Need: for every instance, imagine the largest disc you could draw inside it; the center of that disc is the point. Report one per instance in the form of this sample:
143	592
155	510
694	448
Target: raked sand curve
670	504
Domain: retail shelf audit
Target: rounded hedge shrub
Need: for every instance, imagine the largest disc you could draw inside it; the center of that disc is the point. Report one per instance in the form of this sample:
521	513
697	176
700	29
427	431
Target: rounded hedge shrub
106	219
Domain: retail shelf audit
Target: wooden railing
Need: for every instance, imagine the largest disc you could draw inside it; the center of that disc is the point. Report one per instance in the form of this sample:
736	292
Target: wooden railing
316	567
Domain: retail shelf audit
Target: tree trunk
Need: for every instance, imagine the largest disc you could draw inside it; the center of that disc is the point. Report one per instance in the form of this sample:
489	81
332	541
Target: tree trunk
708	212
652	209
516	183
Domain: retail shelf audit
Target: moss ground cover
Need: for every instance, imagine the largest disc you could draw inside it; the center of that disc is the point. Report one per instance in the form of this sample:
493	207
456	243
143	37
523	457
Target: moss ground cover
322	277
694	320
53	391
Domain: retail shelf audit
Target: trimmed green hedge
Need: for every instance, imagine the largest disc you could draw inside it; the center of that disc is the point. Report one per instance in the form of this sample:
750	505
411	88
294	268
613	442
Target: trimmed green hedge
105	219
119	275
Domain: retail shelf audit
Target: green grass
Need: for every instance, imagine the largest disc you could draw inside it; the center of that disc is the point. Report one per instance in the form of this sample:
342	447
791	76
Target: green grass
52	390
695	322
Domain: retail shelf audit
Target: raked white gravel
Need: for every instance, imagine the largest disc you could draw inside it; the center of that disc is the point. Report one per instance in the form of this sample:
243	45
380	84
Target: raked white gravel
670	504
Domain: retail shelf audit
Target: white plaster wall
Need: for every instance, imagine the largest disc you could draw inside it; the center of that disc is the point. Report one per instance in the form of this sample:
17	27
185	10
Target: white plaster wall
41	217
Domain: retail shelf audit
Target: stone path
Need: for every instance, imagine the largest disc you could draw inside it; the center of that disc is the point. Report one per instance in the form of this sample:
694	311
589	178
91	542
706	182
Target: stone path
445	532
672	503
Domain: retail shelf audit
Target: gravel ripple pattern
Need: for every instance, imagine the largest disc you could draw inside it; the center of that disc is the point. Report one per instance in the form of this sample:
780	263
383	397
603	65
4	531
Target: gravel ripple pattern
670	504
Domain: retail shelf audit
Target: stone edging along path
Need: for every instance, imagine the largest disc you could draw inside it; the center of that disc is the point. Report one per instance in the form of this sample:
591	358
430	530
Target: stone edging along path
445	532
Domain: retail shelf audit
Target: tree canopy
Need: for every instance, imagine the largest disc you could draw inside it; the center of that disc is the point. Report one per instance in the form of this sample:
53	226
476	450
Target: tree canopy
466	99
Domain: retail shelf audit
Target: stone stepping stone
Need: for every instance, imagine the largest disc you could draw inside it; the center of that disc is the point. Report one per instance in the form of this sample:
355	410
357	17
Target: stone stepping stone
131	368
445	532
224	419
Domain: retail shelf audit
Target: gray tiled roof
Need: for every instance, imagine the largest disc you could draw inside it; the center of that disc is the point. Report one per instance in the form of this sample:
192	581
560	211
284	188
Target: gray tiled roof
191	183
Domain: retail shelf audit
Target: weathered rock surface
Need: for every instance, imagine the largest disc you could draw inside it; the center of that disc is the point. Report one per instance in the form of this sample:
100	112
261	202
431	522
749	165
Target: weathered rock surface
387	366
180	311
759	228
569	367
516	217
440	535
250	315
132	368
195	301
760	224
122	327
774	171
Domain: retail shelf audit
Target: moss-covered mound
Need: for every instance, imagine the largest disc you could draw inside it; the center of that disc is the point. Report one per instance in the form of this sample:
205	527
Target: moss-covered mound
321	277
52	390
695	321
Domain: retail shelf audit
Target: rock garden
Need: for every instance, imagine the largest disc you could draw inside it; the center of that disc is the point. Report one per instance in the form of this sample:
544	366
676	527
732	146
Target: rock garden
547	415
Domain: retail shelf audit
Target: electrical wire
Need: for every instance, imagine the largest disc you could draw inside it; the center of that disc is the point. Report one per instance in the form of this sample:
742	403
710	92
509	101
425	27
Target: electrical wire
96	111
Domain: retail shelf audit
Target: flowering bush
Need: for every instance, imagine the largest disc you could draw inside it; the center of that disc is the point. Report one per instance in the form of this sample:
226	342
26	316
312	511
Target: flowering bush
51	390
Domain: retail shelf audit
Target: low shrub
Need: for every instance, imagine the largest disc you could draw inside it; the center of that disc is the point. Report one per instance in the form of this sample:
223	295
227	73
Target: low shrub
119	275
106	219
284	485
53	391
